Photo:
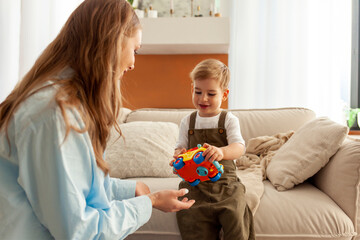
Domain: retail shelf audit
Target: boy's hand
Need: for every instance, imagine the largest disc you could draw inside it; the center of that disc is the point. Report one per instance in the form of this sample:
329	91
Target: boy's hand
212	153
177	152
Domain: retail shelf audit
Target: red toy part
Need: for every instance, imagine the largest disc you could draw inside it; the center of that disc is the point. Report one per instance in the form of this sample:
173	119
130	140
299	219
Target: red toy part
192	167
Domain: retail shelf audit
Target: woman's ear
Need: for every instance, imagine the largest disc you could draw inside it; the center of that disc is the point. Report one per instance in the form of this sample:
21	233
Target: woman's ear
225	94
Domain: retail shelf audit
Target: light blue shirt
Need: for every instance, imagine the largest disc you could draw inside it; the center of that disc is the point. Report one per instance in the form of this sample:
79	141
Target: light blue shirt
51	188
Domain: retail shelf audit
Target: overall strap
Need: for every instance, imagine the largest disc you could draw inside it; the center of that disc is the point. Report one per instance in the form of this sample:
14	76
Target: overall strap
191	126
192	120
221	124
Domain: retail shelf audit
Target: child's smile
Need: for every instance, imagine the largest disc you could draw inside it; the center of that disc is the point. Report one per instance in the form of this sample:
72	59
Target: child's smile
203	106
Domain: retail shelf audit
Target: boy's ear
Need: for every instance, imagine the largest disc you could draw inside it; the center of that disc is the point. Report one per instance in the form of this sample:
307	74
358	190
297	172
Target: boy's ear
225	94
192	88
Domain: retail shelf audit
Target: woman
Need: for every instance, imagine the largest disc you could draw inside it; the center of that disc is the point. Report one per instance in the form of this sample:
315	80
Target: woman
54	125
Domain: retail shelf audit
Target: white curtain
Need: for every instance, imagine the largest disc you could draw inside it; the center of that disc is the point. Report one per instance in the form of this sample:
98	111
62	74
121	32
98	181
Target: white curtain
291	53
26	28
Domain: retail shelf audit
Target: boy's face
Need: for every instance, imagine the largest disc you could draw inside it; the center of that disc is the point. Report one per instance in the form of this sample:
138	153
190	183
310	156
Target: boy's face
207	96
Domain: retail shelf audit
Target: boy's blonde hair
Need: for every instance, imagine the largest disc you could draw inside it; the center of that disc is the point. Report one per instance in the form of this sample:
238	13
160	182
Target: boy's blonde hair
212	69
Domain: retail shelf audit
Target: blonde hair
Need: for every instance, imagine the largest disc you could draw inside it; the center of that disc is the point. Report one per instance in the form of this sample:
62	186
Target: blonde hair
90	43
211	69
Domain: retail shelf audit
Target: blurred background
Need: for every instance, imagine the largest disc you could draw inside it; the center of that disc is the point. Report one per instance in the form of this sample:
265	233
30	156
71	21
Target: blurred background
281	53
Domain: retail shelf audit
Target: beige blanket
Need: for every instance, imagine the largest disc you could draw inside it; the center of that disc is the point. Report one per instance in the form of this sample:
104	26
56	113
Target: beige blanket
252	166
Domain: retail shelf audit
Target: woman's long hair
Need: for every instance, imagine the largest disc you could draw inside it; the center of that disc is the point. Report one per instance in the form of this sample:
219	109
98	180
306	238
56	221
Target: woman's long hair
90	43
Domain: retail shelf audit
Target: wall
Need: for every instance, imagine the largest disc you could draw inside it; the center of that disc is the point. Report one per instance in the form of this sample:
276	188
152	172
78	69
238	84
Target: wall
162	81
171	48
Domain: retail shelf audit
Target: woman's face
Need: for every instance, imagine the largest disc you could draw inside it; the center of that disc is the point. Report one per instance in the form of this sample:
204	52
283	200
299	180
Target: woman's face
131	45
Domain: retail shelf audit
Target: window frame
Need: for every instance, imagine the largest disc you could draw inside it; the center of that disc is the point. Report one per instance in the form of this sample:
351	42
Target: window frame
355	63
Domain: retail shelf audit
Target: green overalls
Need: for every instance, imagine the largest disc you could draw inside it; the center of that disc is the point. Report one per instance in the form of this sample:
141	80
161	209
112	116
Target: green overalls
219	204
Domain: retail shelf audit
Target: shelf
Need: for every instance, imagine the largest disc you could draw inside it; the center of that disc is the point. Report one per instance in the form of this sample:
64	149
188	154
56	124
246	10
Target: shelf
354	132
203	35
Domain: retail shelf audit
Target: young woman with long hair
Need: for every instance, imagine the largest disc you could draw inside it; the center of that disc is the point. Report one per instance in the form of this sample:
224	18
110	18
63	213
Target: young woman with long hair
54	127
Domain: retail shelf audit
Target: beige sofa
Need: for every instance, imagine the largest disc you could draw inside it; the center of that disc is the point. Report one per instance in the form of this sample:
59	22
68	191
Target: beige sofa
325	206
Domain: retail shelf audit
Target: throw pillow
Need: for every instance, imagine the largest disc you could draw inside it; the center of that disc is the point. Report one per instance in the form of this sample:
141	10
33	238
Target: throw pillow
305	153
145	150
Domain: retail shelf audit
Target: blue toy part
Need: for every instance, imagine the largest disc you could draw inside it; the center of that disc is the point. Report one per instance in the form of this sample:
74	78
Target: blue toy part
194	183
198	158
216	177
179	163
202	171
219	167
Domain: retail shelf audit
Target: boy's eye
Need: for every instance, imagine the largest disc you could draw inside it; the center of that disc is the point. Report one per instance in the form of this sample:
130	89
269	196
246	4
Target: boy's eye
212	94
197	92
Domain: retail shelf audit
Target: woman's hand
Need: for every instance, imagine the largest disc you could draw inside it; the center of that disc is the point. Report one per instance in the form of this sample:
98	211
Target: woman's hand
167	200
141	189
212	153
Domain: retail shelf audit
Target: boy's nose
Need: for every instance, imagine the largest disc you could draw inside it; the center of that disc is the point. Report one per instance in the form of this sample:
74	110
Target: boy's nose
204	98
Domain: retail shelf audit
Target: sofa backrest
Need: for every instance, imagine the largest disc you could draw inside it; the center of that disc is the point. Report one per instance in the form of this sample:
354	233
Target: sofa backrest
253	122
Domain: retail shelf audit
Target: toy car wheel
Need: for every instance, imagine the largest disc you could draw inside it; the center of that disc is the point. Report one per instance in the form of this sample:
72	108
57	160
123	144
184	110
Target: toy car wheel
179	163
218	166
202	171
216	177
194	183
199	158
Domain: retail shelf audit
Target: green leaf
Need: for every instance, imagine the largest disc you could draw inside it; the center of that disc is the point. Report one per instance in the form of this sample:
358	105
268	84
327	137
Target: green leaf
352	116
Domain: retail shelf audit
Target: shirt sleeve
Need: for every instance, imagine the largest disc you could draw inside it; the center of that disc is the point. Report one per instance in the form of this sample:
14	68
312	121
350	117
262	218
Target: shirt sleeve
182	141
233	130
68	193
119	189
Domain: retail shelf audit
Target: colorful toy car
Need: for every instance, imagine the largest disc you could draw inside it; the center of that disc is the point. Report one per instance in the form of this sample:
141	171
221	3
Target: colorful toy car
191	167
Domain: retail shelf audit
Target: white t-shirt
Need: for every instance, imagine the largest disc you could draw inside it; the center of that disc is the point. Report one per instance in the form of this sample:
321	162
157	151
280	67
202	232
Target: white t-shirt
232	127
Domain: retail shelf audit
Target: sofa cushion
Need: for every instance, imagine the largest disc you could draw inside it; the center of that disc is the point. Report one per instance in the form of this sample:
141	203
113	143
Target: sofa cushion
285	215
303	212
340	179
305	153
146	151
253	122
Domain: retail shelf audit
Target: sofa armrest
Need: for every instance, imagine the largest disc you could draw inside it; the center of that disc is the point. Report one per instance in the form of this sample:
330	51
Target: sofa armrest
124	113
340	179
